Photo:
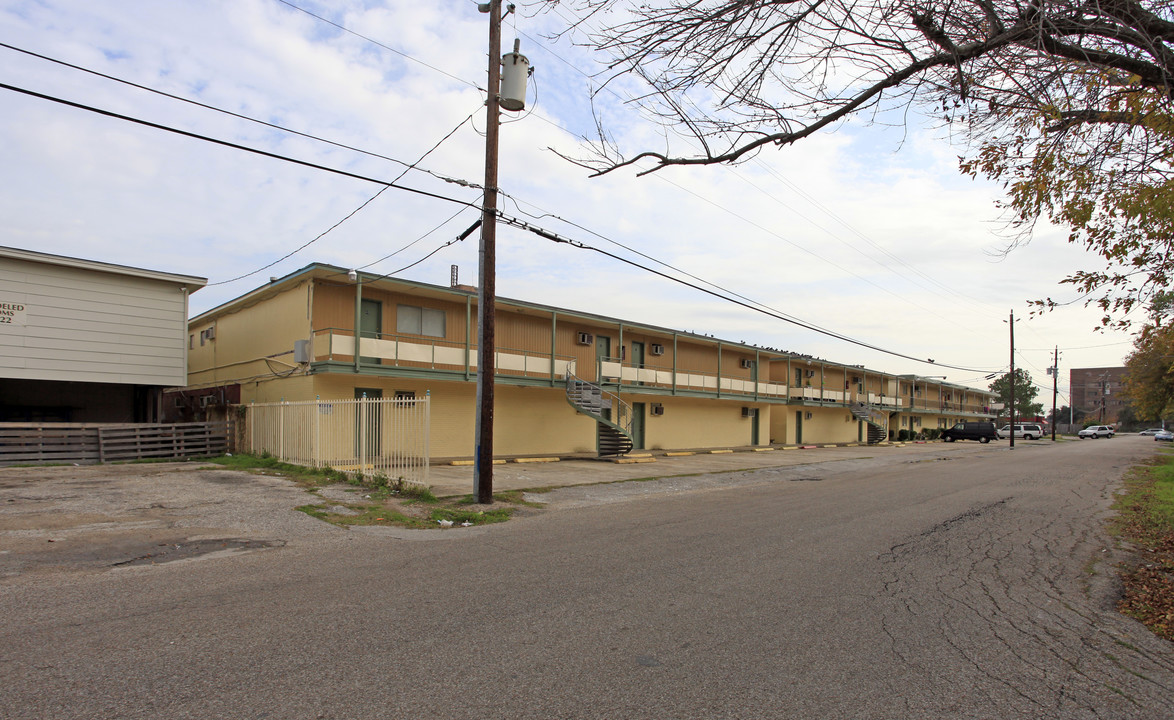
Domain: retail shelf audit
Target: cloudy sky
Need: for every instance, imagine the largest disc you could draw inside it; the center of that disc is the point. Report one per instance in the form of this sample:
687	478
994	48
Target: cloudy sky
869	232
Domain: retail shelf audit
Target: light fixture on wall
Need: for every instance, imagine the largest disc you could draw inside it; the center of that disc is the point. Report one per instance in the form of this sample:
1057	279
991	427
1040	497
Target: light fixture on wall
352	275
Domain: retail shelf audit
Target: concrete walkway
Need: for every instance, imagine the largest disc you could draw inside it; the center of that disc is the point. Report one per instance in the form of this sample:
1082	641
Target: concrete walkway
449	480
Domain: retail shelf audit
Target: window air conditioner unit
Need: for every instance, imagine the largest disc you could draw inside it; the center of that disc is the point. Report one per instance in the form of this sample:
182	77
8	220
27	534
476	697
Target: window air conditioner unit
747	412
746	364
205	400
656	409
657	349
810	373
856	379
586	338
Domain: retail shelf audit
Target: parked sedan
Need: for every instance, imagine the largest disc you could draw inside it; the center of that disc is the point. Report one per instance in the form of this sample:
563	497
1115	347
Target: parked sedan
1096	431
1150	431
1164	436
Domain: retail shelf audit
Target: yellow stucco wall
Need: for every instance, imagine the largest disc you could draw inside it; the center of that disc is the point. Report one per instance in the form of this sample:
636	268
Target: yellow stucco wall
243	338
699	423
527	421
826	425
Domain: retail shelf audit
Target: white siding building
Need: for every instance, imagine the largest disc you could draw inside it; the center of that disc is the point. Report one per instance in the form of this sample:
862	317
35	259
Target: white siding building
85	341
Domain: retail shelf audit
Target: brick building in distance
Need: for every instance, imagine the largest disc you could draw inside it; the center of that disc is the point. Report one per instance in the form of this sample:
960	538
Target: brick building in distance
1098	392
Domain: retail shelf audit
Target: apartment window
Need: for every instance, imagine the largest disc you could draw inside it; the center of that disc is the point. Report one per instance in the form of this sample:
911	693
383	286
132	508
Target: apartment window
419	321
191	341
403	395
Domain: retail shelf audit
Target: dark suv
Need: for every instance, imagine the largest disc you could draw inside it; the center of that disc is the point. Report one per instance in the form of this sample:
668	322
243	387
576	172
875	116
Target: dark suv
983	432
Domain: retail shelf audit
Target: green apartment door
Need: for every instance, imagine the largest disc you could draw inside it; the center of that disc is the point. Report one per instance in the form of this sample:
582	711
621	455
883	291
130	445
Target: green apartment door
368	422
637	426
754	427
602	352
370	324
638	358
798	427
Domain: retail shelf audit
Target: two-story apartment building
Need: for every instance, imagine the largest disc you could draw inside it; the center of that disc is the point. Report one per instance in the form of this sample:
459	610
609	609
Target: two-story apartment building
567	381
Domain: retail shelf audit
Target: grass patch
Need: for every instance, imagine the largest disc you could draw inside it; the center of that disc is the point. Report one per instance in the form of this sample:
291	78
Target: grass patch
305	476
1145	518
386	501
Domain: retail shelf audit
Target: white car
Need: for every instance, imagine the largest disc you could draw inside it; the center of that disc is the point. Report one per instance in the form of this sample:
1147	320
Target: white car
1097	431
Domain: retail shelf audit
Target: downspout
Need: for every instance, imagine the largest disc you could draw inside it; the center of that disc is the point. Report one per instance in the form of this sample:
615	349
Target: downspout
358	319
468	334
757	362
674	363
719	368
553	346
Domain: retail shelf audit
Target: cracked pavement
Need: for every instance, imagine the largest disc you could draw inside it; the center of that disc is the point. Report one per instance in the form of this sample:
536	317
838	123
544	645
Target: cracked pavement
942	581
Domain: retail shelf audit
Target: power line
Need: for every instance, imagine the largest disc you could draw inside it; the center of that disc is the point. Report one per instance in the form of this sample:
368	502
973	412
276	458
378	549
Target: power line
775	173
385	47
503	218
237	115
583	246
235	146
701	197
354	212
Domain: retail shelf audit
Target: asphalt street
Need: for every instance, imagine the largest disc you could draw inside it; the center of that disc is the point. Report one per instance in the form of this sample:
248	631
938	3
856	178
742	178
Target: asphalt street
949	581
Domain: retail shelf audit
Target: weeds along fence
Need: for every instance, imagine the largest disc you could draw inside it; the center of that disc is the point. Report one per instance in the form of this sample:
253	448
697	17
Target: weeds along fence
369	436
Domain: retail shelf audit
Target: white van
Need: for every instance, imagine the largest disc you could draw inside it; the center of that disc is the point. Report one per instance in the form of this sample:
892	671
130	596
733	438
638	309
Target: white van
1026	431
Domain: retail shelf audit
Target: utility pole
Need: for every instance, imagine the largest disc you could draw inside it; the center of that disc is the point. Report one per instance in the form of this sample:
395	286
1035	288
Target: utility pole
1012	425
1104	392
1056	375
486	270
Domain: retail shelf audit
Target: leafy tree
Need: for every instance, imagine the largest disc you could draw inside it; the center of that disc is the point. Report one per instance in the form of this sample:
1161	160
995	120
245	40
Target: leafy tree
1149	379
1025	392
1063	414
1069	103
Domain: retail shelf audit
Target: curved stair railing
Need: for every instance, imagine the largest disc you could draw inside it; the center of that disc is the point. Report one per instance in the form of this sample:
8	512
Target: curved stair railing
613	414
877	419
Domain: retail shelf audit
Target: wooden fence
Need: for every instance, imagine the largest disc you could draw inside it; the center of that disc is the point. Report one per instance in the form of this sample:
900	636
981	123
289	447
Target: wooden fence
35	443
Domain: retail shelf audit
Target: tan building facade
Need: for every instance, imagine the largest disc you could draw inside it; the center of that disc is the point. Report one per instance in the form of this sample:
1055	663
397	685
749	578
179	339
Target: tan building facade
567	382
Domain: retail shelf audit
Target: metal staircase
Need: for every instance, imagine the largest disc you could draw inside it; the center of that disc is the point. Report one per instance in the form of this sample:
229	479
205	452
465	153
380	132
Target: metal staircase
877	419
613	415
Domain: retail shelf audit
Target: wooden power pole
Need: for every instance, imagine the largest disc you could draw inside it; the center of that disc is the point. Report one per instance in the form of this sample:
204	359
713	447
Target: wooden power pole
486	271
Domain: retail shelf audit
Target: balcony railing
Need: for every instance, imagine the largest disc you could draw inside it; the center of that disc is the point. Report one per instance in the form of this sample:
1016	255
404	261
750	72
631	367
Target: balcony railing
613	370
385	350
338	345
